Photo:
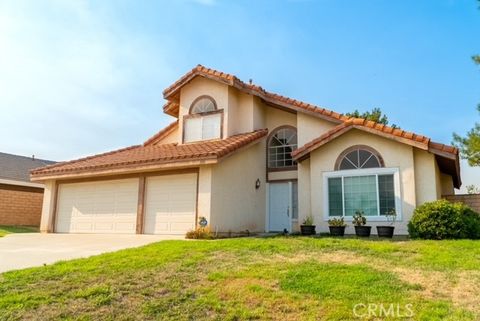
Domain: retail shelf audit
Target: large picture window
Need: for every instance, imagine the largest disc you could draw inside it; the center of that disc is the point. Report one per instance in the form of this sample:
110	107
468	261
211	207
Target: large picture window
362	183
281	144
373	194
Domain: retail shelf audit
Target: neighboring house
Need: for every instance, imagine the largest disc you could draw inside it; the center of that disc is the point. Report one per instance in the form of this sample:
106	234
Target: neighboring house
228	157
20	199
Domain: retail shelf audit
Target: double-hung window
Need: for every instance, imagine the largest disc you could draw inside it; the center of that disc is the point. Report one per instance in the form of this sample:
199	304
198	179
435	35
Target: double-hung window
203	122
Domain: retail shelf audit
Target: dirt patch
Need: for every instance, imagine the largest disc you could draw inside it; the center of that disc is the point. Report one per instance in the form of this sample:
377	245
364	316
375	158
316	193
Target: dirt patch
462	289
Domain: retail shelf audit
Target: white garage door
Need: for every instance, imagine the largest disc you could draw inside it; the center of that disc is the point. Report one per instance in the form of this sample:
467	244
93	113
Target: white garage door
170	204
98	207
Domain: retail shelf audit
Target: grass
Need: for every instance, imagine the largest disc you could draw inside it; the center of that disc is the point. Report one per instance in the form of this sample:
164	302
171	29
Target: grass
8	229
283	278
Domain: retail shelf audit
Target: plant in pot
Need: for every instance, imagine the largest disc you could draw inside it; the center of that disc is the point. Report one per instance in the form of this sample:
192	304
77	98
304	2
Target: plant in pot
387	230
307	227
337	226
359	220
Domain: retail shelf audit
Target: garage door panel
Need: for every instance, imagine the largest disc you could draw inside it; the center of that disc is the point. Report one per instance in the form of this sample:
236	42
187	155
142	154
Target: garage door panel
170	204
98	207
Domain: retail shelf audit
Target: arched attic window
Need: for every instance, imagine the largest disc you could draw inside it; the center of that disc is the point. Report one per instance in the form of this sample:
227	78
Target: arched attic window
281	143
203	104
359	157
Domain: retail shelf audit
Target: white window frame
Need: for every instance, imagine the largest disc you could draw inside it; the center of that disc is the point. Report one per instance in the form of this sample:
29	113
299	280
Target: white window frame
201	118
364	172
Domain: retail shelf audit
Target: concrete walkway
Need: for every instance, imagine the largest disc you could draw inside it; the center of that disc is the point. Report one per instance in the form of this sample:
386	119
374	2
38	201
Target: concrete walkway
22	250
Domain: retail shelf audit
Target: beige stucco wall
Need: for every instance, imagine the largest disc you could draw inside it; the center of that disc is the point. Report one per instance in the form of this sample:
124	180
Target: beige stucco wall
304	192
323	160
310	127
236	204
275	118
204	192
426	176
47	206
172	137
447	184
202	86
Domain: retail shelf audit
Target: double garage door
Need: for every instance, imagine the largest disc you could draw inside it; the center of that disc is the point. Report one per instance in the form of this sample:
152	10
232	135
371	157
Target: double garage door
111	206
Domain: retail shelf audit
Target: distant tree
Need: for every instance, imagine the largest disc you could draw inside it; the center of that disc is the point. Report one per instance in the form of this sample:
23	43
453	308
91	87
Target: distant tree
472	189
469	145
375	115
476	59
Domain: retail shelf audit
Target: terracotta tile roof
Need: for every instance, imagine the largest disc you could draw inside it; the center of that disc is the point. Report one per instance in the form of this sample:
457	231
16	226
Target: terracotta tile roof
161	134
449	154
172	94
140	155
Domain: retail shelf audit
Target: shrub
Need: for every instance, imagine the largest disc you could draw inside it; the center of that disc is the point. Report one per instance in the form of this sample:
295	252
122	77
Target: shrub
336	222
200	233
444	220
359	218
308	221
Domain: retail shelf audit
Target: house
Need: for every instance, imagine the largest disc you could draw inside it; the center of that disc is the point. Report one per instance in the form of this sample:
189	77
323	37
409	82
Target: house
247	159
20	199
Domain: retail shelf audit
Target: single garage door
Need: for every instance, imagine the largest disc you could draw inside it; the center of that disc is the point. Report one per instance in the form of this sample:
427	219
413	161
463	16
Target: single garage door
170	204
98	207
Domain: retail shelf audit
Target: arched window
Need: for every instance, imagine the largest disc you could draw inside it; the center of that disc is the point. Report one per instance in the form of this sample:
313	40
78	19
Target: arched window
281	144
203	104
359	157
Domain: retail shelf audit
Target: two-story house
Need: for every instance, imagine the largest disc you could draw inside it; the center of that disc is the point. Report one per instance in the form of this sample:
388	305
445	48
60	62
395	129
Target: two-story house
247	159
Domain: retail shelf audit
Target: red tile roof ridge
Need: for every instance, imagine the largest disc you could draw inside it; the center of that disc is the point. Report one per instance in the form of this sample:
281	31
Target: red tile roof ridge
35	170
363	123
233	80
140	154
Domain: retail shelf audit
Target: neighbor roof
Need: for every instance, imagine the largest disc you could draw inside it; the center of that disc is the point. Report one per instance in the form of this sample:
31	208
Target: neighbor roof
149	155
17	168
447	156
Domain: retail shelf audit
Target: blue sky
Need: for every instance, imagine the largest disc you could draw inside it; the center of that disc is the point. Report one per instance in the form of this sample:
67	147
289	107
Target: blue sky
83	77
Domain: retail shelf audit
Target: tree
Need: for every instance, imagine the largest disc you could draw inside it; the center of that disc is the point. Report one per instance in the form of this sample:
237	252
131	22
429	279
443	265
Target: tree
472	189
476	59
469	145
375	115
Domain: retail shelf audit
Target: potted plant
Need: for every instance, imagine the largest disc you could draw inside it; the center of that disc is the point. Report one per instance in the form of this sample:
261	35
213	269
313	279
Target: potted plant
359	220
337	226
387	230
307	227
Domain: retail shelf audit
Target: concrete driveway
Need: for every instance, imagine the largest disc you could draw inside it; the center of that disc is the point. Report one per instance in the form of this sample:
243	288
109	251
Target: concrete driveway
22	250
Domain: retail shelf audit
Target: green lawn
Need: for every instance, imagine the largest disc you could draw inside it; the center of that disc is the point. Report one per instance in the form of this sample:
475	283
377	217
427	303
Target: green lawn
283	278
8	229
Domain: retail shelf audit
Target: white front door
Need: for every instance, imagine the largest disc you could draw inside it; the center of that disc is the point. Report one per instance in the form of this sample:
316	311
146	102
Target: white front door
280	207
